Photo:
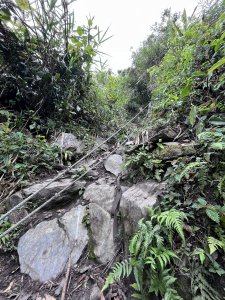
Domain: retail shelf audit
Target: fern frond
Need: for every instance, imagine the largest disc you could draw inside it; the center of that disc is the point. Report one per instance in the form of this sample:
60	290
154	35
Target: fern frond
221	186
173	219
214	244
159	240
161	282
119	271
190	167
203	176
136	241
162	255
150	261
201	288
171	294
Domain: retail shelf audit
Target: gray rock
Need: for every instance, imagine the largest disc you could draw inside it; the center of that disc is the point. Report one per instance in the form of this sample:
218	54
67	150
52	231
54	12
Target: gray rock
99	141
44	250
95	292
70	194
113	164
68	141
19	213
101	230
101	194
92	175
15	199
76	231
166	134
135	200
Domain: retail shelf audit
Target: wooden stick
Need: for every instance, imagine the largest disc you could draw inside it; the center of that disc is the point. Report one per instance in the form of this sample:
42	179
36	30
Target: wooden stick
66	280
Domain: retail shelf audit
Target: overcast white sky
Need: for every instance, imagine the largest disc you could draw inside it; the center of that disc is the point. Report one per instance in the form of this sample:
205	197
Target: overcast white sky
129	22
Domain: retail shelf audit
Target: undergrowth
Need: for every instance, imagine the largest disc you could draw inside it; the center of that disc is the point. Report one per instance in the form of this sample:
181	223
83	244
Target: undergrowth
184	236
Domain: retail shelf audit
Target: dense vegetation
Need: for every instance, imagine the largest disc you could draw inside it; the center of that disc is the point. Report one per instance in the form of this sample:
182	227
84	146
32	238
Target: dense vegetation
179	250
47	86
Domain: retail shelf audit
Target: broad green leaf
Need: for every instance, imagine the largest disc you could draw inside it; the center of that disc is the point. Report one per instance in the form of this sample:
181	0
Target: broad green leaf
217	145
198	74
23	4
74	40
186	90
80	30
217	120
5	14
202	201
213	215
174	97
193	115
199	127
90	22
216	65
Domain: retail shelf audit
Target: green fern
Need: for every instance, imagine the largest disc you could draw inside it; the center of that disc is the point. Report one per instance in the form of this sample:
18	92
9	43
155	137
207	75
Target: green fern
161	284
150	257
190	168
203	176
161	255
214	244
139	237
173	220
119	271
171	294
221	186
201	288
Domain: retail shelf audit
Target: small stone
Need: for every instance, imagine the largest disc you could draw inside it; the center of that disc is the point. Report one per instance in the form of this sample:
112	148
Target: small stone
113	164
95	292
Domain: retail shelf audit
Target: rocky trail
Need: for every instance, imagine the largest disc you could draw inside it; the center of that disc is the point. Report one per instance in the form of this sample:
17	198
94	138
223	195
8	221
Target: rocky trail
66	250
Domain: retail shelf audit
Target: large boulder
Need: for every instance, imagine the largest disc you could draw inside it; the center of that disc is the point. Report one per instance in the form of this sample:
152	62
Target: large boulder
113	164
47	192
101	194
69	142
134	203
101	233
44	250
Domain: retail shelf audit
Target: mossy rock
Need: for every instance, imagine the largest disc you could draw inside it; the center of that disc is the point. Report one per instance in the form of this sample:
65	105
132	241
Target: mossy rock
173	150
